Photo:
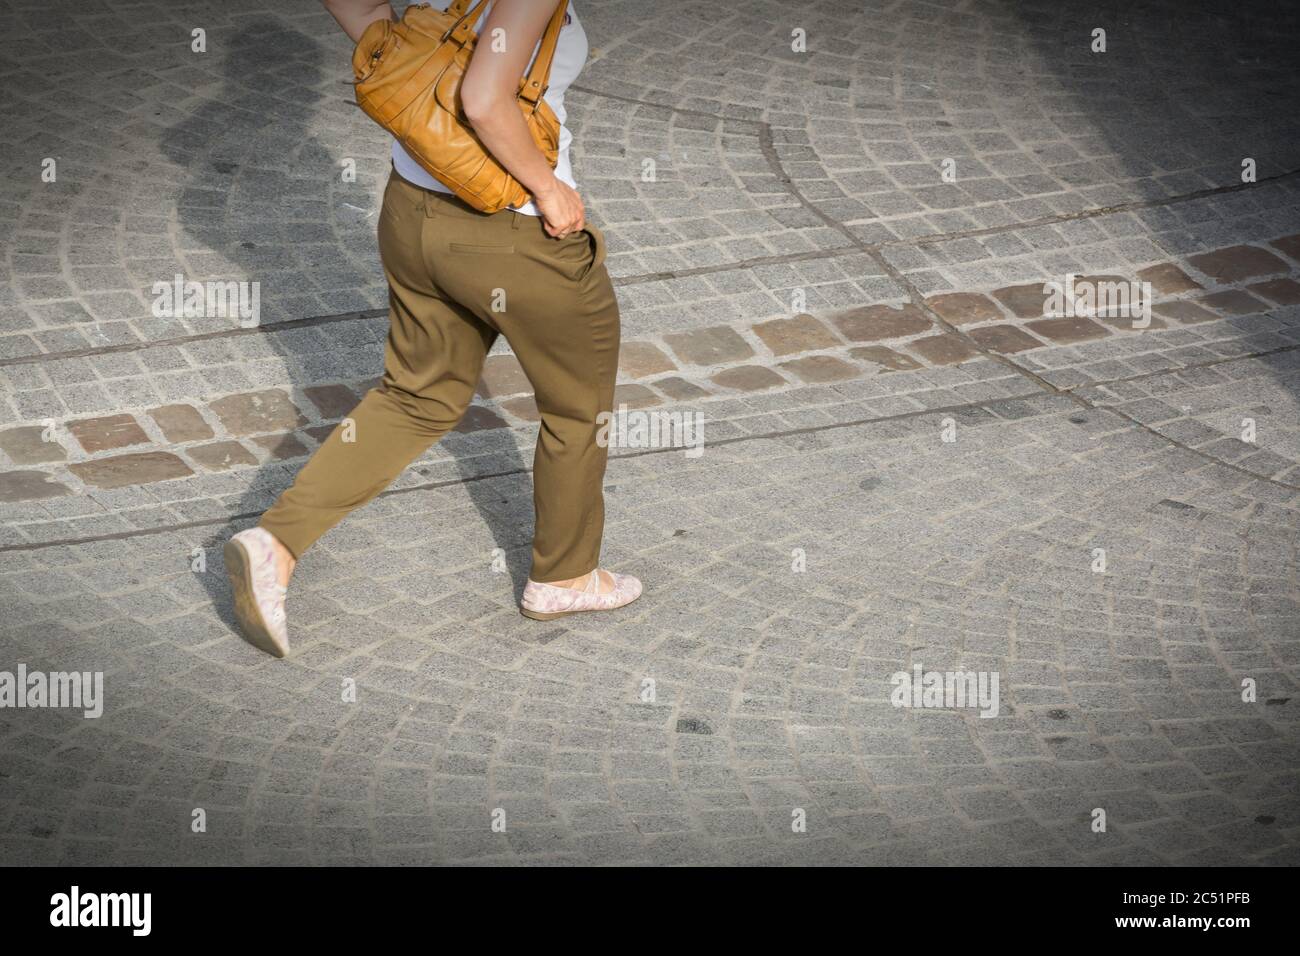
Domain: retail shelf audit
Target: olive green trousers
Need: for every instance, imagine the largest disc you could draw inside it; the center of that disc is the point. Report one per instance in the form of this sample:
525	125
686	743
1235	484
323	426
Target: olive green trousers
457	278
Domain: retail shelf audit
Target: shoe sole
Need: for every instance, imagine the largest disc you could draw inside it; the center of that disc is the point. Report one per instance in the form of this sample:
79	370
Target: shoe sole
552	615
239	567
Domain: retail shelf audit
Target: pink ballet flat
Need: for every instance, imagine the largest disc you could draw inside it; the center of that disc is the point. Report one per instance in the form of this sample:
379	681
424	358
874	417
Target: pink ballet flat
259	596
543	602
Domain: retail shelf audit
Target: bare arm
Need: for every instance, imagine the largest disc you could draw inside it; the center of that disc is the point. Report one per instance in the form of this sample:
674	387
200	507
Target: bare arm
355	15
488	96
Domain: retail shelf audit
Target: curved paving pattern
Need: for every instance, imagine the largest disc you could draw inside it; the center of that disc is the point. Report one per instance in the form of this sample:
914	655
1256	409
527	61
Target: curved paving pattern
828	537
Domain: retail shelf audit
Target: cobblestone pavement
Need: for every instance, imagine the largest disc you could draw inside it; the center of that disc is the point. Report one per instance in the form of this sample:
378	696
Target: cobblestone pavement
837	257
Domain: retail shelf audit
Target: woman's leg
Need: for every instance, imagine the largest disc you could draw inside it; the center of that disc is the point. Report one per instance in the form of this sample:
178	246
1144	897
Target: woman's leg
433	360
555	303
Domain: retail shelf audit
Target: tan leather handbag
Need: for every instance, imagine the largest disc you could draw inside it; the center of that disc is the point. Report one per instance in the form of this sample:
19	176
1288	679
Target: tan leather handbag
408	77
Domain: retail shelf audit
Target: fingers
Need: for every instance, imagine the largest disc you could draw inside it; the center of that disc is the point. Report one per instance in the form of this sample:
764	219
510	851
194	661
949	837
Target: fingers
568	230
573	225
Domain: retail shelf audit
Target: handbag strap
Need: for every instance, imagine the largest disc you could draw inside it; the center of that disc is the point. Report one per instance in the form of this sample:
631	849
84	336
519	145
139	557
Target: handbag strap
538	77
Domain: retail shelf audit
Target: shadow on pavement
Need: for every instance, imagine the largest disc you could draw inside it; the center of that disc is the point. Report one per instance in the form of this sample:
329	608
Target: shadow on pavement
1184	92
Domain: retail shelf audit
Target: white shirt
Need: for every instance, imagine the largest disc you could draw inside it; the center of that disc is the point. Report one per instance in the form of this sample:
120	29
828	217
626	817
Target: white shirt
570	57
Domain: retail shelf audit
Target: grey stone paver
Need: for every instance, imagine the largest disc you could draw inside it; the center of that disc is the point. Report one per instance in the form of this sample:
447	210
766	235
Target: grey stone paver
828	537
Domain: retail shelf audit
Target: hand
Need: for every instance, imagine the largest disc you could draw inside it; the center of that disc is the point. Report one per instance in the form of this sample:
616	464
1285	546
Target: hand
562	211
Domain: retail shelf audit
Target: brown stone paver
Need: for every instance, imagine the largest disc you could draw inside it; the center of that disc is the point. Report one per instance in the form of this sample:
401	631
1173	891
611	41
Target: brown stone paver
886	358
1067	330
1005	338
944	349
1280	291
1095	279
1187	313
107	433
139	468
876	323
1233	302
524	407
748	378
26	445
821	368
503	375
635	396
1290	245
220	455
1133	323
280	447
250	413
26	485
640	359
1112	296
964	308
333	401
1168	279
1236	263
181	423
802	333
679	389
1025	301
710	346
317	432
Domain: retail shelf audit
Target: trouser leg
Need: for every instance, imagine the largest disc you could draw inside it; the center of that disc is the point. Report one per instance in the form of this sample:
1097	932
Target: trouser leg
432	362
555	303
